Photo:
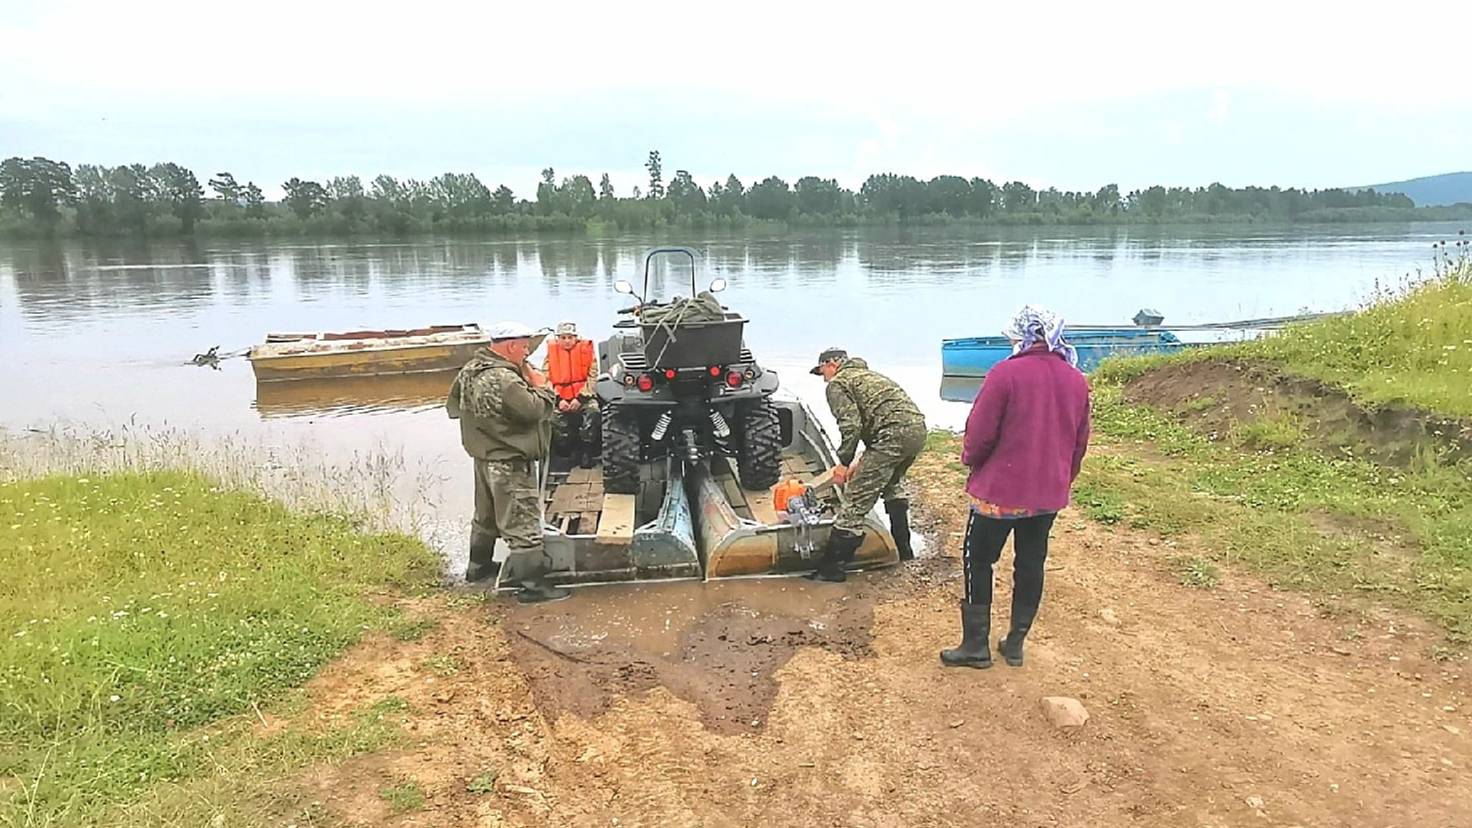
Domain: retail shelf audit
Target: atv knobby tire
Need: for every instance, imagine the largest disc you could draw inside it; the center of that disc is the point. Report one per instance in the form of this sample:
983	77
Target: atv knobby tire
620	451
759	456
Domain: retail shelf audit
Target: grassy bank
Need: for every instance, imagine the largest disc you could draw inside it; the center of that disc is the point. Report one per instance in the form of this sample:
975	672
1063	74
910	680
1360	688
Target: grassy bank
1250	483
1412	344
1262	489
148	620
1333	526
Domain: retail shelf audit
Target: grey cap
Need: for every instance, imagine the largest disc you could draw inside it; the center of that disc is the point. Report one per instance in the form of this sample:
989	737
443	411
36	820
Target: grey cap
828	355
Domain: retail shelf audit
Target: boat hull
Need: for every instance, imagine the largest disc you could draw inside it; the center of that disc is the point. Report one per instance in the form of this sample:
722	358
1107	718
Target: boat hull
365	362
974	356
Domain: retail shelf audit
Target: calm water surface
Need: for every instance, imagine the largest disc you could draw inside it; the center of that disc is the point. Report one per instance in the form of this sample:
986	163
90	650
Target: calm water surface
96	335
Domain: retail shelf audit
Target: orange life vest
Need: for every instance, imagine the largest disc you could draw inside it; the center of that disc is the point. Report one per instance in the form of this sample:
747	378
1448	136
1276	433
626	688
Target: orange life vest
568	369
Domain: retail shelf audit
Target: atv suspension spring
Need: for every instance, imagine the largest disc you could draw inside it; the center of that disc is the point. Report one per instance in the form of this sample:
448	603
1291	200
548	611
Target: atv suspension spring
661	427
721	428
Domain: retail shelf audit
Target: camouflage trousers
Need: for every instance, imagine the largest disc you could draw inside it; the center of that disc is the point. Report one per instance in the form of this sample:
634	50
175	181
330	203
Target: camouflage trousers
880	472
581	429
506	506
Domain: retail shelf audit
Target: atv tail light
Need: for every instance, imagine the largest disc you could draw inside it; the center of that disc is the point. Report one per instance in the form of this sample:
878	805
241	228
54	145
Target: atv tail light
715	370
628	380
734	379
669	373
646	382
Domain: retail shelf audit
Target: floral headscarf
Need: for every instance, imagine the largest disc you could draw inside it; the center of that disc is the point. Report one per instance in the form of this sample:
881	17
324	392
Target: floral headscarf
1033	324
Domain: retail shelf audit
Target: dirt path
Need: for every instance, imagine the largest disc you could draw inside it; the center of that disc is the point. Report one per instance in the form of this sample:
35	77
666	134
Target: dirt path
785	703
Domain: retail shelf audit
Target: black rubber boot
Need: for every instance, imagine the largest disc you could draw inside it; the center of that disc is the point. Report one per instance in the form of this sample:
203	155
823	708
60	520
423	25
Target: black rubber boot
1010	647
537	590
838	551
899	526
976	624
482	564
592	439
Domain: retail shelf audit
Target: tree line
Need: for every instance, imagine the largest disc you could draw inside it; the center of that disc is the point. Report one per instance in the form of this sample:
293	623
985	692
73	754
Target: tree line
42	197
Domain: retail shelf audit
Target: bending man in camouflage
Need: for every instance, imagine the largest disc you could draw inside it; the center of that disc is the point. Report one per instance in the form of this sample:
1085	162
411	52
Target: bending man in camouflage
505	407
869	407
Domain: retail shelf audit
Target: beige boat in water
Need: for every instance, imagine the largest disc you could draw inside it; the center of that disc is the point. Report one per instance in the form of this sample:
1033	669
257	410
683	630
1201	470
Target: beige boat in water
294	356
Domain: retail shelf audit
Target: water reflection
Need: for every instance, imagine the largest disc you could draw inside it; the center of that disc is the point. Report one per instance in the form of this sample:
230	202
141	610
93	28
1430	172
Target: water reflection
353	395
890	293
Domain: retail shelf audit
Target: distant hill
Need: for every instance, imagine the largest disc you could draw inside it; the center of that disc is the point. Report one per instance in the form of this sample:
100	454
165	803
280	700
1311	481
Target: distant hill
1432	190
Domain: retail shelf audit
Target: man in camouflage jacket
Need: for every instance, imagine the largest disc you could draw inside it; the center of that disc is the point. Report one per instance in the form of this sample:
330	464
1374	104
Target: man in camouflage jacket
505	408
873	409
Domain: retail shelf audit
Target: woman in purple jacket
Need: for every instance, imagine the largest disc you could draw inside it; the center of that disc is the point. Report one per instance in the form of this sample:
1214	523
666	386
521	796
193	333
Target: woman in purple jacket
1025	440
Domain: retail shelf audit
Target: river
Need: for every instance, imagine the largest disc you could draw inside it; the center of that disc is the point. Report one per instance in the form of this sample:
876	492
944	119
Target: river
99	334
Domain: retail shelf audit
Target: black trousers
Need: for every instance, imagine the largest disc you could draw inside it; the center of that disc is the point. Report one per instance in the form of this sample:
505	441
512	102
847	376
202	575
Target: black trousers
985	538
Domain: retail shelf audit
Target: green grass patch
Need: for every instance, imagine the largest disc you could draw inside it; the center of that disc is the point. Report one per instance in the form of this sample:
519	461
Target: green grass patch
404	797
412	629
389	706
1271	434
1412	345
484	783
244	783
443	666
1196	571
139	611
1099	503
1267	510
1200	404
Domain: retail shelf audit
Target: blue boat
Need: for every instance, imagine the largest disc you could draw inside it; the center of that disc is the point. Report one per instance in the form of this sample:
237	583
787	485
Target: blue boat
974	356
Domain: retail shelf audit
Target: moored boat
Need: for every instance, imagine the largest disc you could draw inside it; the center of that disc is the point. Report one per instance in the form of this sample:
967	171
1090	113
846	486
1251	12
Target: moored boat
292	356
974	356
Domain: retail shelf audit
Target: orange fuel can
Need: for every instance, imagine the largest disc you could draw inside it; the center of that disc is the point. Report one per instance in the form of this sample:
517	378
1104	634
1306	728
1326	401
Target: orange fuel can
784	490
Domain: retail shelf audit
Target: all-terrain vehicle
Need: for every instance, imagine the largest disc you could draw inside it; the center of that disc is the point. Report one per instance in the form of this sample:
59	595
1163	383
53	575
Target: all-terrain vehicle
678	382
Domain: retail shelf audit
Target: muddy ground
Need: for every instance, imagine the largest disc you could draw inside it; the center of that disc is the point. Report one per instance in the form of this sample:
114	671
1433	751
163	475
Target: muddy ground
781	702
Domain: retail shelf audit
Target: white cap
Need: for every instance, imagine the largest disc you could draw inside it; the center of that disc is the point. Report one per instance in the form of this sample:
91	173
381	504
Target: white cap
510	330
565	328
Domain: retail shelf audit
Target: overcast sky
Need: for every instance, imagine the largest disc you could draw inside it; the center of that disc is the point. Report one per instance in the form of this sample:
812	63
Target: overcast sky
1135	93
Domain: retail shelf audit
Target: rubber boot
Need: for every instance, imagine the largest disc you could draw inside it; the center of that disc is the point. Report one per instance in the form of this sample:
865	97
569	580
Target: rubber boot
838	551
976	624
592	441
1010	647
899	526
482	564
537	590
